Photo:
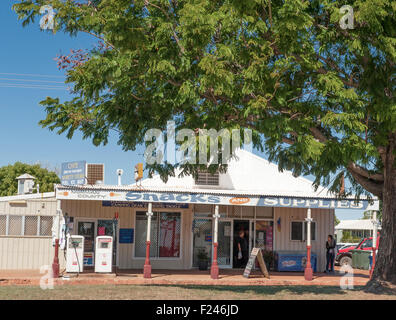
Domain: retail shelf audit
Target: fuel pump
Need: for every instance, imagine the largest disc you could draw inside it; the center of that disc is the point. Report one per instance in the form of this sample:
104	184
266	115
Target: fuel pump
74	254
103	254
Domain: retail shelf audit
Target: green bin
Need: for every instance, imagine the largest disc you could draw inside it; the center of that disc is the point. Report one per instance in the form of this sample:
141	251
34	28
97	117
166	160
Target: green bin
361	259
355	259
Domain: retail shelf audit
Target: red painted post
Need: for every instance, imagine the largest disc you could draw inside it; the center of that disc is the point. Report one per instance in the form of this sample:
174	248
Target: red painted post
55	263
308	268
373	262
308	274
375	245
147	265
214	269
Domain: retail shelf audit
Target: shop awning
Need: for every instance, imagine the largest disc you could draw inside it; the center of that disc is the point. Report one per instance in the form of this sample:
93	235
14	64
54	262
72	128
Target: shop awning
125	196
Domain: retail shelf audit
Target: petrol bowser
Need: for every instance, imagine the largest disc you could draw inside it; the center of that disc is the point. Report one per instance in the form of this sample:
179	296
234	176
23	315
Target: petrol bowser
75	254
103	254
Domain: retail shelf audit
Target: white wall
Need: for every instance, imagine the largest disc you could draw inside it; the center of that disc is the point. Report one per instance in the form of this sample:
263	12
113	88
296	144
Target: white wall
324	219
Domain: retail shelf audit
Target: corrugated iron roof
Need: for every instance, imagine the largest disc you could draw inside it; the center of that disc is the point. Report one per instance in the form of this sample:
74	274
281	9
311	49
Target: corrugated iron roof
32	196
363	224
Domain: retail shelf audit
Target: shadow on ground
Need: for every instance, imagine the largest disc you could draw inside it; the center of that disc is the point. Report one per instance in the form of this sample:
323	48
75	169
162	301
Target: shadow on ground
272	290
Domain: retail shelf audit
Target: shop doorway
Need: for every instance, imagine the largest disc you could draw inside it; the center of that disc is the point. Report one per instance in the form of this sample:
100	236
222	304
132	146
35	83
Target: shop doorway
243	242
87	230
90	229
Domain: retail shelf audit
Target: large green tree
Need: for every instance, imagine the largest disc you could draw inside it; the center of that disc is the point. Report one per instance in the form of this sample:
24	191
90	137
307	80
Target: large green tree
8	174
319	98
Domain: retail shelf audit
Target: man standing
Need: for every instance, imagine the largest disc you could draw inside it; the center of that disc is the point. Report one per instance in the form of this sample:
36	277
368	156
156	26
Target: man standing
243	250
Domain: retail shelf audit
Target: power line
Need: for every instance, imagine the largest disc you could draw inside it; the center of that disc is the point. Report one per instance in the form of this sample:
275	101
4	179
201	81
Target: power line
31	75
27	80
32	87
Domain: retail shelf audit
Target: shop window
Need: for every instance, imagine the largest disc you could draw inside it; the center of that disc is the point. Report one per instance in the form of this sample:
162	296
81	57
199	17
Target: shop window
3	225
165	235
45	226
31	225
299	231
169	231
15	226
202	239
264	235
313	230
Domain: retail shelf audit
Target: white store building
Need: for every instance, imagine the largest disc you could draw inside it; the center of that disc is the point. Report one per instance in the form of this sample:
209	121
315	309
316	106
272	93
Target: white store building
270	206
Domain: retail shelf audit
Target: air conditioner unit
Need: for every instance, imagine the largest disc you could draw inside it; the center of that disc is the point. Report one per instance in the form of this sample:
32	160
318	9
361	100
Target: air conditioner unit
95	173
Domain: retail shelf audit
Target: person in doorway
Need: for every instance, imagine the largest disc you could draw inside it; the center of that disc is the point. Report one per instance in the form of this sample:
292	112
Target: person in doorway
330	253
243	249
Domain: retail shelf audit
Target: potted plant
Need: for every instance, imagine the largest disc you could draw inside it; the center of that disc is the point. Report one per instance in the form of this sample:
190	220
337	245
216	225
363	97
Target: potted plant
268	258
203	259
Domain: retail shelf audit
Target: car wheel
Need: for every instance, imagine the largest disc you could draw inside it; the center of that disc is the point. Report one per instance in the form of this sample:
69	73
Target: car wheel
346	261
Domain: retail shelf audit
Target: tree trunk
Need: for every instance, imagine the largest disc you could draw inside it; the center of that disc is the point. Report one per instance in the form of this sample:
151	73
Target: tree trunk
385	268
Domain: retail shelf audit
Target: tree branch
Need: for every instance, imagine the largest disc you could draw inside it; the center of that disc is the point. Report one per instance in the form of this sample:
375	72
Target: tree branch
364	172
146	2
372	186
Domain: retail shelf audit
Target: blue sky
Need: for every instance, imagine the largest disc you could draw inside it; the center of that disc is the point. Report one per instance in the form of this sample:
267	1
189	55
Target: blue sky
26	61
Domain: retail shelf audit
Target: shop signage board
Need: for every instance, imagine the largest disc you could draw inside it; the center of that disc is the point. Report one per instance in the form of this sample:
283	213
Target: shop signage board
126	235
256	254
126	204
136	198
73	173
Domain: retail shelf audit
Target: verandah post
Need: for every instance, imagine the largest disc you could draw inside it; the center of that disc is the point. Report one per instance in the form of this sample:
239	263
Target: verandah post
374	247
308	274
55	263
214	269
147	265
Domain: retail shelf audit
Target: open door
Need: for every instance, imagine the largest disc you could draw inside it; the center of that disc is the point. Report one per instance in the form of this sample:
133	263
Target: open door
241	233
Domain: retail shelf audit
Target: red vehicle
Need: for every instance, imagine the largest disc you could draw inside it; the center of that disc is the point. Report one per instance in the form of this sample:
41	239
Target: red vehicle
344	256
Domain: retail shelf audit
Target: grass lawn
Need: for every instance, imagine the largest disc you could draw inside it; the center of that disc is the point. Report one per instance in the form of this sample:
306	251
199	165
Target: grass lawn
186	292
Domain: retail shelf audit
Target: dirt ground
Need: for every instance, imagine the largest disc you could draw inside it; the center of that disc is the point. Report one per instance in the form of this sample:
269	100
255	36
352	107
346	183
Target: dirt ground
227	277
186	285
186	292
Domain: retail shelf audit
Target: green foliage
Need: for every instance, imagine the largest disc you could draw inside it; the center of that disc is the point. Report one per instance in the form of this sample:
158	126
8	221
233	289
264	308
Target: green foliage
367	215
9	184
336	220
319	99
